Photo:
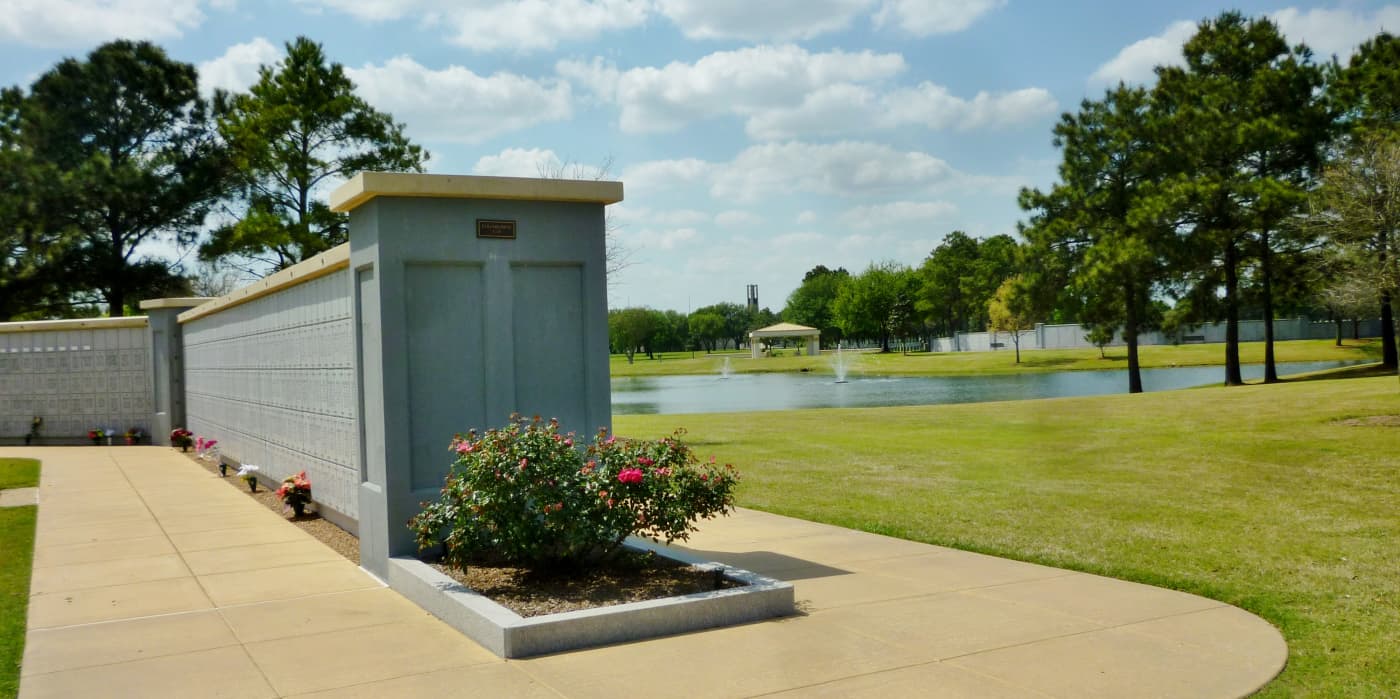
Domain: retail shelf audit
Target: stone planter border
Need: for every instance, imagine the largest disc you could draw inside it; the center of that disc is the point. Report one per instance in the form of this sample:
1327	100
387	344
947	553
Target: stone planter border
509	635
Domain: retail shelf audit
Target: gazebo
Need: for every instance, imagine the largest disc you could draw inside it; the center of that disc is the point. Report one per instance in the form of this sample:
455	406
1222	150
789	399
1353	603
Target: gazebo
813	336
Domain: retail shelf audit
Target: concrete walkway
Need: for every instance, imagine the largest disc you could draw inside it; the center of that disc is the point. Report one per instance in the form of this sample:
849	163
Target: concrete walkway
154	579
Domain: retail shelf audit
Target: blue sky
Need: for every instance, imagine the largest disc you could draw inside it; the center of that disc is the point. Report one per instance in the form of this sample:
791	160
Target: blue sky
756	139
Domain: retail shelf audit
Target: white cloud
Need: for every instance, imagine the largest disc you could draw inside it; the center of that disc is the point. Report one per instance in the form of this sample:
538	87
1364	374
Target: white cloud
743	82
845	108
237	68
1338	32
516	162
1326	32
650	217
780	20
456	105
735	218
68	23
667	174
807	217
517	26
1135	62
898	214
786	92
368	10
847	168
929	17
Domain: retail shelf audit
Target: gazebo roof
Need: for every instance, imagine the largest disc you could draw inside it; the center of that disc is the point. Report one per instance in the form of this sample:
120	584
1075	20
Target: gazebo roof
784	329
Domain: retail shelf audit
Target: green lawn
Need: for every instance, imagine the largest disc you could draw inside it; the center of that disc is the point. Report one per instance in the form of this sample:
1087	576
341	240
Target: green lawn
1259	496
19	473
1001	362
16	561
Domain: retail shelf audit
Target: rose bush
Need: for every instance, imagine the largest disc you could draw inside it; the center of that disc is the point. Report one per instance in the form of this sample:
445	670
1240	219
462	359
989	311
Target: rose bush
527	493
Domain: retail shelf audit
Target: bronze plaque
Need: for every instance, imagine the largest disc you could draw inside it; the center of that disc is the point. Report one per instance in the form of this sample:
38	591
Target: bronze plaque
495	228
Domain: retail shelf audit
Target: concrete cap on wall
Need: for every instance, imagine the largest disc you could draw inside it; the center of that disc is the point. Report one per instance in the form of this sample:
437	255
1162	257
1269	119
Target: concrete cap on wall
177	302
29	326
333	260
368	185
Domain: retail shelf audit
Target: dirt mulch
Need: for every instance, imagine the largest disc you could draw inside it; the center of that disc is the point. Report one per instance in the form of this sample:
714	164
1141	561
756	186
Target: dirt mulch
344	543
1372	421
629	577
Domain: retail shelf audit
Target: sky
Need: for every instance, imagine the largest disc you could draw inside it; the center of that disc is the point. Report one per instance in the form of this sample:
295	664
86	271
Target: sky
755	139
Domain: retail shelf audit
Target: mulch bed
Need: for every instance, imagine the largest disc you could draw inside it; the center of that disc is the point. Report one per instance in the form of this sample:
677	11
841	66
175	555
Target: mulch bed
344	543
629	577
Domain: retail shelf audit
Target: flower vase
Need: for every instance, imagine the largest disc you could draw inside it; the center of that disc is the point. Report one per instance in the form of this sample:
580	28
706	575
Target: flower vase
252	485
298	509
223	470
130	441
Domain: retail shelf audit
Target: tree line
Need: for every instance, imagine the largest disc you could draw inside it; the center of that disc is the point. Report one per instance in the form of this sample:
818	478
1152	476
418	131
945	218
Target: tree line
103	156
1252	181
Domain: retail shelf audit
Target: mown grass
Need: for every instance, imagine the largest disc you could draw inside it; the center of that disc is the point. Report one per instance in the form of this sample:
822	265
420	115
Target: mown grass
999	362
18	473
16	562
1260	496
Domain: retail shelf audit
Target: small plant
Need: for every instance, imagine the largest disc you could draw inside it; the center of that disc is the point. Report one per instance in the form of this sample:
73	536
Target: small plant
134	435
528	494
34	426
295	492
249	474
97	435
181	437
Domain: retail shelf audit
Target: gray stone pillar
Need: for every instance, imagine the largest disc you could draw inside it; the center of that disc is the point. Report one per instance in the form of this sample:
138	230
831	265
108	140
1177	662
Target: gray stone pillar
473	298
167	364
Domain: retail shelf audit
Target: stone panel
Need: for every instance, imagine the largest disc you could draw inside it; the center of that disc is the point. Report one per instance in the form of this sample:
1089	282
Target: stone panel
273	380
76	380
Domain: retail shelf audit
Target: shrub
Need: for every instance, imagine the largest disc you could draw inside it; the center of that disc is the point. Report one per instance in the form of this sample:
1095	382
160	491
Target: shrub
528	494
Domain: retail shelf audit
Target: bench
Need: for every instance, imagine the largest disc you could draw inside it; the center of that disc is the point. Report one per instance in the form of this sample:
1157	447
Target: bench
1193	339
998	345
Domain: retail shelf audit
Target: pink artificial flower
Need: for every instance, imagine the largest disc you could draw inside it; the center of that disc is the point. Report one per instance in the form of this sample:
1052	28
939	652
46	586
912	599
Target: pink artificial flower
199	444
630	475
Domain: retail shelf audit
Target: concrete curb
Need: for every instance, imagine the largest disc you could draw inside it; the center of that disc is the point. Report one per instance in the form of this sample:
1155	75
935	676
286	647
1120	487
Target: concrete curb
509	635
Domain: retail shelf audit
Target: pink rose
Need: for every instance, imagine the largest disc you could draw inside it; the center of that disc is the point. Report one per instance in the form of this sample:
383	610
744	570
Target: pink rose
630	475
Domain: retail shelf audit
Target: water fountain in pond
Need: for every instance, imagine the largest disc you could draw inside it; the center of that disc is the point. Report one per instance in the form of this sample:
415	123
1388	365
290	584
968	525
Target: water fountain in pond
840	365
724	370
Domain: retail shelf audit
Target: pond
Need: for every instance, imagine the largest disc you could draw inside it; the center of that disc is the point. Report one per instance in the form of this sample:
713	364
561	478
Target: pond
668	395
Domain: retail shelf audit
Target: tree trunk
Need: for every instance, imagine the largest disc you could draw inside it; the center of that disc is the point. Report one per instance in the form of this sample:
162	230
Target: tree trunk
1232	317
1388	354
1130	336
1266	271
1338	322
116	302
1356	328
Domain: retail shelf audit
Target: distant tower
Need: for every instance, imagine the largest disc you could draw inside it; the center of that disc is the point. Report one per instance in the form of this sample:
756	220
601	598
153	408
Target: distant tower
753	298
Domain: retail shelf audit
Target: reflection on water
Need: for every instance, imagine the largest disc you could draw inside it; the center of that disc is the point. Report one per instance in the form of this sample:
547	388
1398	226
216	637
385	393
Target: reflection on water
742	392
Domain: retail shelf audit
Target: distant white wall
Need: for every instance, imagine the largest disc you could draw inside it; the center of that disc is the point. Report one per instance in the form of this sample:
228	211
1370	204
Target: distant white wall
77	375
1072	336
273	380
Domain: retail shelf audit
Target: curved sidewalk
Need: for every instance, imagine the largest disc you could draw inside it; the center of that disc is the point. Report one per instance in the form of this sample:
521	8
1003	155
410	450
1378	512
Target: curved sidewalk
154	579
